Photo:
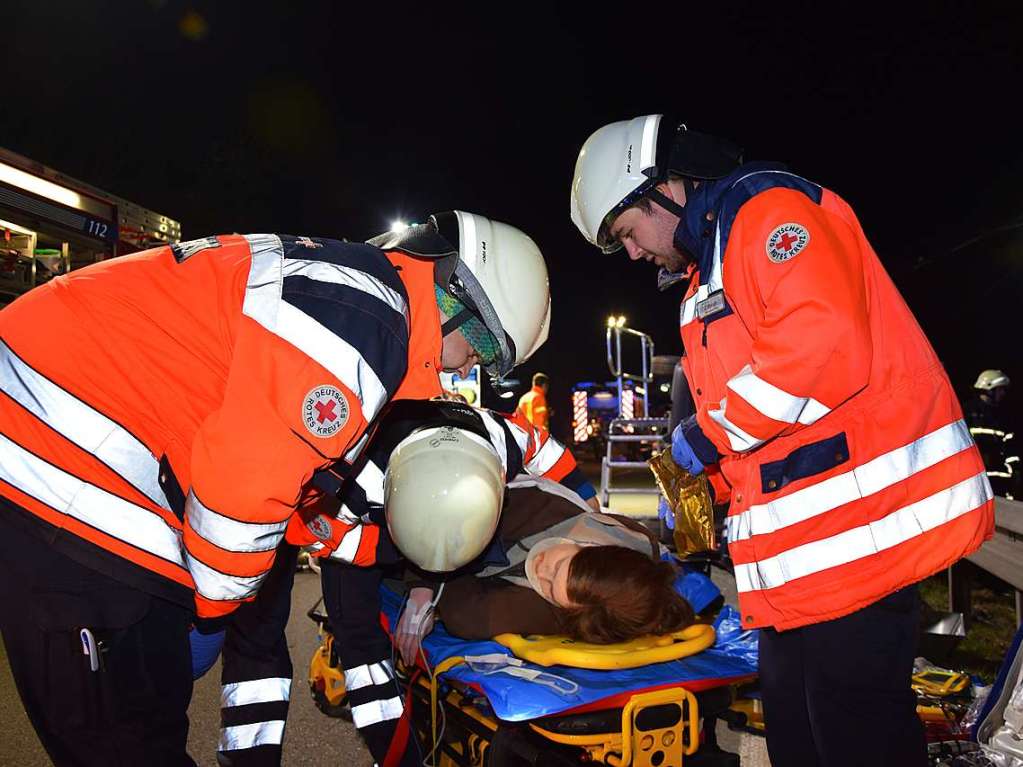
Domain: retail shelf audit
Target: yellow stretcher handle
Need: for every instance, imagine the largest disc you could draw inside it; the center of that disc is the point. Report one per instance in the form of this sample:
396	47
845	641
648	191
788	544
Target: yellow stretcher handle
560	650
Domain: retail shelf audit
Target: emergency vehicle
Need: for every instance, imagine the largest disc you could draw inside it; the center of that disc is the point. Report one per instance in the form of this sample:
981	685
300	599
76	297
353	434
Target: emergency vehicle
51	223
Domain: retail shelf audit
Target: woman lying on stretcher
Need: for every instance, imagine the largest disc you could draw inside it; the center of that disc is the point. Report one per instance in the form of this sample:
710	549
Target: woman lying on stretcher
552	567
530	557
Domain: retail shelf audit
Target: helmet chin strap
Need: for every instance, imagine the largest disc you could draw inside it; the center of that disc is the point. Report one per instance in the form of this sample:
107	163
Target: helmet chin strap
674	208
454	323
669	204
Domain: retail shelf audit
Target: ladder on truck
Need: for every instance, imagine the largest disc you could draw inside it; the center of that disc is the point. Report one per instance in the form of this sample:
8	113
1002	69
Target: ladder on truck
625	428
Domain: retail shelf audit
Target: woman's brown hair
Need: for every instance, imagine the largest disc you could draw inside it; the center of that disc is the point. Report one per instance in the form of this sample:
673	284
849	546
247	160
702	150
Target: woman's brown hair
621	594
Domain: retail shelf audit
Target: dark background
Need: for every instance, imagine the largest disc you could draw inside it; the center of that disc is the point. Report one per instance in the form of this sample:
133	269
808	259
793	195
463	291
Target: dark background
333	119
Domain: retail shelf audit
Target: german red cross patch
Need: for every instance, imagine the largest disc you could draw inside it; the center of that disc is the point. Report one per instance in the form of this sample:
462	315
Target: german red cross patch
324	411
786	241
320	527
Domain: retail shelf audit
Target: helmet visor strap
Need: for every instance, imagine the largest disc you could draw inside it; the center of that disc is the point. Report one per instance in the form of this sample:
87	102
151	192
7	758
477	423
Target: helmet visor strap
461	317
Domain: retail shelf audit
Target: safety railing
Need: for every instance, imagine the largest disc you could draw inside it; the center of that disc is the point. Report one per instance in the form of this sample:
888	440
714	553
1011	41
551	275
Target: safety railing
1002	556
626	427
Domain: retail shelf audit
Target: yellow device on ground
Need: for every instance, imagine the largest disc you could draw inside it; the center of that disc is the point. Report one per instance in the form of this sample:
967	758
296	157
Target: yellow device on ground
939	682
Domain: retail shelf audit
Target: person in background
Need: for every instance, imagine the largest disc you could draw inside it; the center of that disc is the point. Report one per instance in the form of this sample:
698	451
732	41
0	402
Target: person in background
991	426
533	404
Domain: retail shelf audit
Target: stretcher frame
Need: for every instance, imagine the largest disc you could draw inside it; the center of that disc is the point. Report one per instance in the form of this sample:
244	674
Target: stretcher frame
657	728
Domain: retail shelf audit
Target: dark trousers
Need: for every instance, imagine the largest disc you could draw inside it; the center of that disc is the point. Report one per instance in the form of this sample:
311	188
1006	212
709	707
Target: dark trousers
257	671
134	709
352	598
837	694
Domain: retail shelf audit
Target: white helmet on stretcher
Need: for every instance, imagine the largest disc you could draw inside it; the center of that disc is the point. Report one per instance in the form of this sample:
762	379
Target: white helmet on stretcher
443	494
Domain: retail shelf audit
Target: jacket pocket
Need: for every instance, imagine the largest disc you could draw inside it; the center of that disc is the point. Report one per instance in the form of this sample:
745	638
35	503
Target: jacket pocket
806	461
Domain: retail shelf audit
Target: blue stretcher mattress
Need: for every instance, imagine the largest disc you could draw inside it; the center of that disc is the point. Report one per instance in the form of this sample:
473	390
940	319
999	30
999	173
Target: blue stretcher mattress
733	656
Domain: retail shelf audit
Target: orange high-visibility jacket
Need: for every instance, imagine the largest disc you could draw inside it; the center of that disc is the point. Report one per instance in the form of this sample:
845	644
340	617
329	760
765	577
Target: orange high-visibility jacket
168	408
533	407
852	472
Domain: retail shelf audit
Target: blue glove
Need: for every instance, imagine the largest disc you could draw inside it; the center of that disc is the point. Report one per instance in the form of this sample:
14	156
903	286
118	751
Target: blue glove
682	452
665	513
205	649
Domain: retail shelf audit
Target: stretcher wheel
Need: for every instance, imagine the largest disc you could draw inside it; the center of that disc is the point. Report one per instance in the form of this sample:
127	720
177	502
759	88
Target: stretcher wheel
337	711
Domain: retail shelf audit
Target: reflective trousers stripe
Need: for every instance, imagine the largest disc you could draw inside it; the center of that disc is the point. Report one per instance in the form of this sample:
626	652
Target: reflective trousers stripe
81	424
375	711
251	735
864	480
140	527
255	691
232	534
860	542
370	674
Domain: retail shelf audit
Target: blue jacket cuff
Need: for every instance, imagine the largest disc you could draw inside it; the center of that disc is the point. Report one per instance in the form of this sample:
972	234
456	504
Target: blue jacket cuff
703	448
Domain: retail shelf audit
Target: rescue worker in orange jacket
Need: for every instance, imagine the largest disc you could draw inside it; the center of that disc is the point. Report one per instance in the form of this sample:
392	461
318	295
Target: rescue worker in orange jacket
821	403
533	404
163	416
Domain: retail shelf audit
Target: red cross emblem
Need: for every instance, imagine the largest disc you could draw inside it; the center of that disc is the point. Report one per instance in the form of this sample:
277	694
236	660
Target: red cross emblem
786	241
324	411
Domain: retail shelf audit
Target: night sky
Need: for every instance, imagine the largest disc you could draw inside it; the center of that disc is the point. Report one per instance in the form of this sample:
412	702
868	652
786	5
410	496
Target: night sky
333	119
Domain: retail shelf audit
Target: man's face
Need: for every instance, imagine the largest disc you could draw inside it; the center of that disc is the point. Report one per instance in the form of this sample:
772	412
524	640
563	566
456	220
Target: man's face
457	355
651	236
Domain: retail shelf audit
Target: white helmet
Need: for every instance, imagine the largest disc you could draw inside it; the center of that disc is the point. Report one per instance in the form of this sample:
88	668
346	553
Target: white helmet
494	269
991	379
504	274
624	161
612	167
443	492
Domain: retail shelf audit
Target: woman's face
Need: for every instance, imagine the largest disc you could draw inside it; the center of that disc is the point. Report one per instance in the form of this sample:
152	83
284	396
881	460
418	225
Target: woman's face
551	568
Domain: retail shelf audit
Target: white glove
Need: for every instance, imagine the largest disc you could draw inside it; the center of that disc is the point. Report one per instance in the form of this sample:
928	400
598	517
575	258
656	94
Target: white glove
416	622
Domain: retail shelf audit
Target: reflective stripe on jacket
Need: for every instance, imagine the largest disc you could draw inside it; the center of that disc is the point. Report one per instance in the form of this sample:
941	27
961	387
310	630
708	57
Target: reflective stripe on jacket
852	473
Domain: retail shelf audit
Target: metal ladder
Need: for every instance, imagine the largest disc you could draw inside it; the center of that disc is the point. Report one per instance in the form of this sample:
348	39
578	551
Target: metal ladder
625	428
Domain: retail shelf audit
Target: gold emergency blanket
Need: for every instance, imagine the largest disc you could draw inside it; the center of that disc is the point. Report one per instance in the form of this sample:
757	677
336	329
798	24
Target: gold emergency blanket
689	500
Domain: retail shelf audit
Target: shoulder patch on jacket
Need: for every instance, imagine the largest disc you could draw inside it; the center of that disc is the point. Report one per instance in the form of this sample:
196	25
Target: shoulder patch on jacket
786	241
324	411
